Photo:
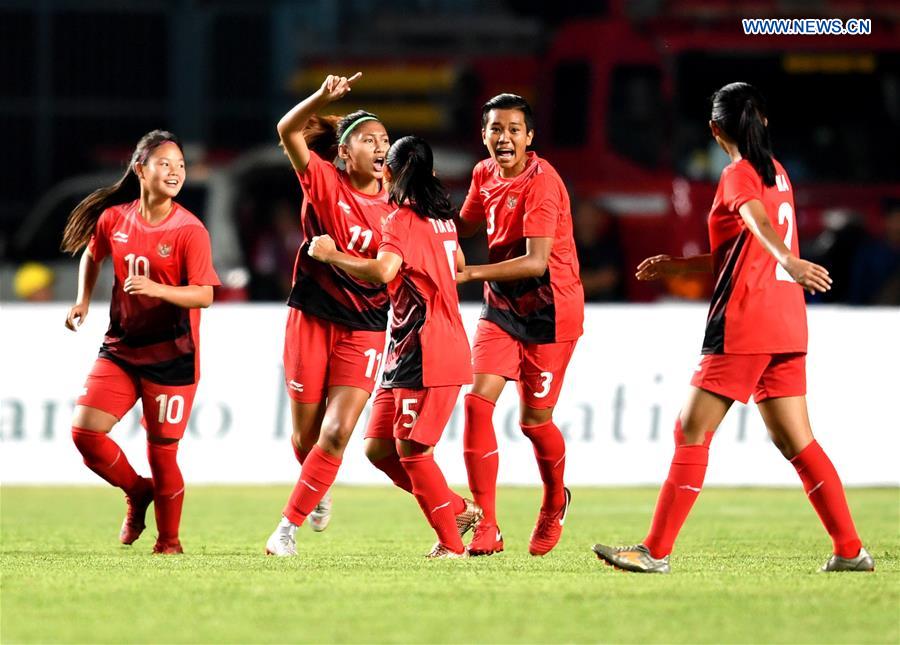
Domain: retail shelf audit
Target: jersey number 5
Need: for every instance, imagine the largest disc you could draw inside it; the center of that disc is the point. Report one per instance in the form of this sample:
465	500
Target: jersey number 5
785	213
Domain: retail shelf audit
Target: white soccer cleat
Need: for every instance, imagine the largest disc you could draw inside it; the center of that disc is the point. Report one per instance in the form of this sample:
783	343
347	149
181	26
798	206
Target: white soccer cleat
282	543
440	552
321	514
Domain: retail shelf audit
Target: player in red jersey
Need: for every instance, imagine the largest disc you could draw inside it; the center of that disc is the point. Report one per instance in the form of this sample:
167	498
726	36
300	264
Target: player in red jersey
428	358
755	340
336	323
532	317
163	277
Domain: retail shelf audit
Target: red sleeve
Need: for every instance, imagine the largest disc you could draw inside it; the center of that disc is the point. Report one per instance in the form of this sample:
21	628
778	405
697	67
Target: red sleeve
542	207
395	233
99	242
320	179
740	184
473	208
197	254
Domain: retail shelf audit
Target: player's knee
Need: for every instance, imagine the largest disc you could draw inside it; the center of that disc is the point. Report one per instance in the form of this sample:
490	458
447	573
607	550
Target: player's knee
335	434
377	449
529	416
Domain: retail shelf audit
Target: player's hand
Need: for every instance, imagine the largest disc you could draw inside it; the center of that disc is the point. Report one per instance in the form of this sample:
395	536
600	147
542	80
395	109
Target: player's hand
464	276
76	316
810	276
321	248
141	285
337	87
657	267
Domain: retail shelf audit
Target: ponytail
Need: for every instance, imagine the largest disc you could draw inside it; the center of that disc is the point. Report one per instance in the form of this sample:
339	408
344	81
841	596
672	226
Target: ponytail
83	219
754	144
739	110
320	134
413	182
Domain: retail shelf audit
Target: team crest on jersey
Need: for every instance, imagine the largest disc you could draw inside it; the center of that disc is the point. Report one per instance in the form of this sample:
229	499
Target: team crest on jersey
164	250
511	201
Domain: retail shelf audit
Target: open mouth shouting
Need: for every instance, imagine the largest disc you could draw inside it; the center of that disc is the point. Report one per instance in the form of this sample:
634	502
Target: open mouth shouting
379	164
505	153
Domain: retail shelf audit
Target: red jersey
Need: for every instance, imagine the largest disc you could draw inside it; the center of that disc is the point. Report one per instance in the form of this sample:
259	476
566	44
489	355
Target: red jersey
547	309
353	219
158	340
756	306
429	347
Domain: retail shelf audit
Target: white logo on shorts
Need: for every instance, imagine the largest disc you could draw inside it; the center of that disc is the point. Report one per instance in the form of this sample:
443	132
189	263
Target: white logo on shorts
294	385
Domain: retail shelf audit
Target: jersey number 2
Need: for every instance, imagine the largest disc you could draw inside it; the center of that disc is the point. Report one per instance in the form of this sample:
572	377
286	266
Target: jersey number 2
785	213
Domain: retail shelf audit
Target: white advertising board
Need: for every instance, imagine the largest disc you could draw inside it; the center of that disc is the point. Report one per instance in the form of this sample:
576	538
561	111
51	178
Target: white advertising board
623	390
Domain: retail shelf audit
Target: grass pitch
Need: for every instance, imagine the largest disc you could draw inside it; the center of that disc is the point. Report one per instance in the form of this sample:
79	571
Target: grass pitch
744	571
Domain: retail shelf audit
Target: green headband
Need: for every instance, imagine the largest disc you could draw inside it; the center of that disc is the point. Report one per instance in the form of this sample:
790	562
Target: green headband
353	125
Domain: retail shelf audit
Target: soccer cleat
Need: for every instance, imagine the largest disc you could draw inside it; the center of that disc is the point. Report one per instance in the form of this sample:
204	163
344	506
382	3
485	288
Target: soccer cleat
469	518
635	558
282	543
440	552
133	524
548	529
487	540
168	548
321	514
862	562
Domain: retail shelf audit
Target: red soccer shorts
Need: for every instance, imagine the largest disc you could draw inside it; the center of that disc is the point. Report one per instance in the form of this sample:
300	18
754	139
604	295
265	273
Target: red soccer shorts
319	354
766	376
111	388
539	368
416	415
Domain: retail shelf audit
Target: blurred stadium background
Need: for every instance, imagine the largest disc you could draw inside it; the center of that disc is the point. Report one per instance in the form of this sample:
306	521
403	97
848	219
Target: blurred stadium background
619	89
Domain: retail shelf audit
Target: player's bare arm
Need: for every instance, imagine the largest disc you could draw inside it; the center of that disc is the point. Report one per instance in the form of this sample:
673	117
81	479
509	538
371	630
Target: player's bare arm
379	270
88	271
467	228
290	127
531	265
812	277
659	266
193	296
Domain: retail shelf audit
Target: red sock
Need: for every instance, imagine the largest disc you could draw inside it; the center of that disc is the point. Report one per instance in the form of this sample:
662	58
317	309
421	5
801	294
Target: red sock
316	477
392	467
435	498
480	453
168	489
550	452
826	494
104	456
678	493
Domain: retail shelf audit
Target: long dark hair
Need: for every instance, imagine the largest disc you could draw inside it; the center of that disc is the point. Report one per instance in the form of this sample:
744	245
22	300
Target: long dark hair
740	110
322	133
83	218
412	179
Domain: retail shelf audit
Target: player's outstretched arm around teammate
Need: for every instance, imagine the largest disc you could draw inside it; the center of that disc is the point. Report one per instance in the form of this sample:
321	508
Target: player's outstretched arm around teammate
161	256
755	342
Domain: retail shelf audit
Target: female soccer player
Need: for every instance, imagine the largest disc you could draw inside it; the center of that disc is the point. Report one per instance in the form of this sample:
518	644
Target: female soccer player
163	276
533	313
755	340
336	324
428	358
